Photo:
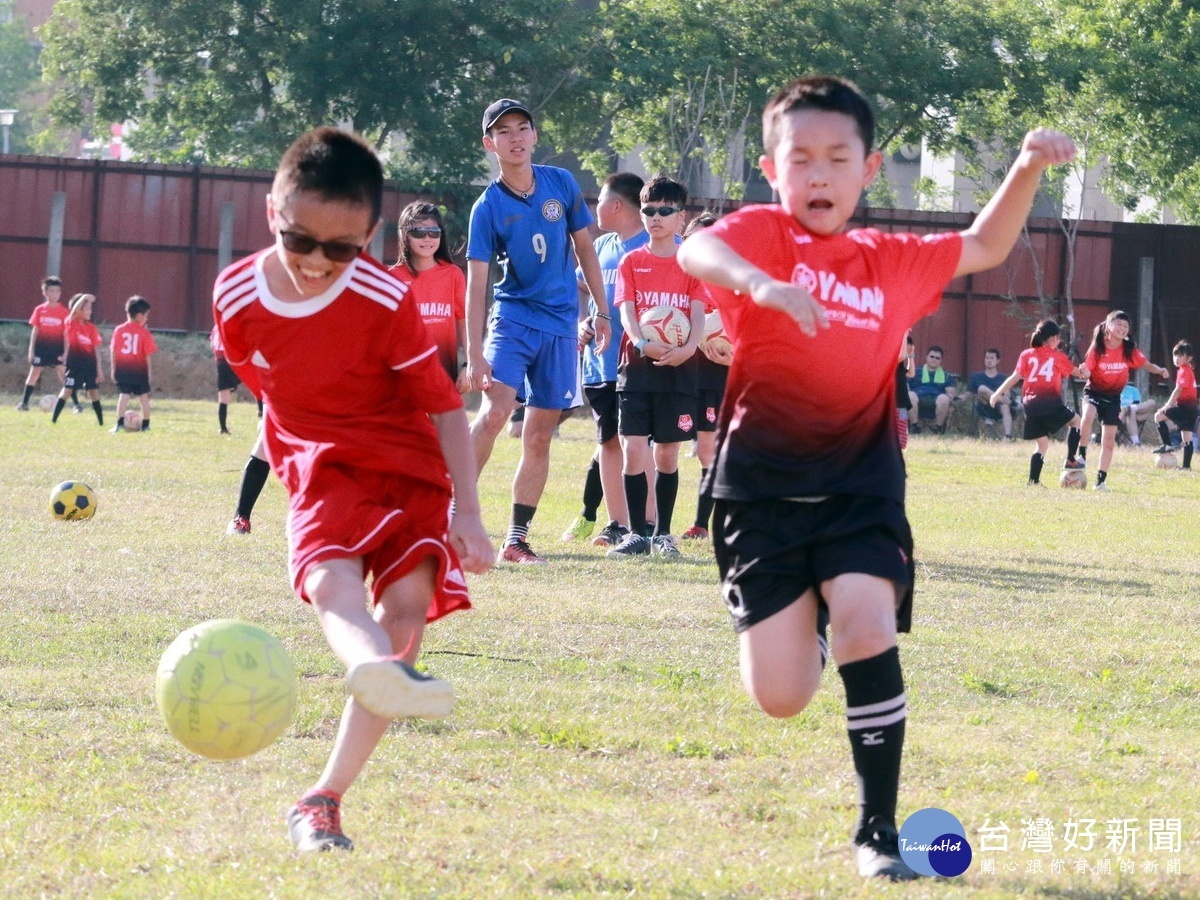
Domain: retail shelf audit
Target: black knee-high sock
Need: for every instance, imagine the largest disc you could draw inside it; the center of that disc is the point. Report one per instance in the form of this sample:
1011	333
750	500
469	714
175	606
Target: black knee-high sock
636	492
666	491
58	408
254	476
1101	477
704	503
1072	442
1164	432
876	709
75	399
28	393
522	516
1035	468
222	415
99	410
593	491
1187	454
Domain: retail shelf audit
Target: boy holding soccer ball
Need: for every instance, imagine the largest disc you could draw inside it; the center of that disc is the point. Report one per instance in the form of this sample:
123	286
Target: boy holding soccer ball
809	524
309	325
656	381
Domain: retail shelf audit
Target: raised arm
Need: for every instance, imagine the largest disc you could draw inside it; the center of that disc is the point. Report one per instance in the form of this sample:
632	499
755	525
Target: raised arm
990	238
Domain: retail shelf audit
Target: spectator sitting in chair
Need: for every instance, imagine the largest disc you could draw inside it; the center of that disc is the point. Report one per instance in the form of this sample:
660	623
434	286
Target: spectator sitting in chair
931	391
982	385
1134	411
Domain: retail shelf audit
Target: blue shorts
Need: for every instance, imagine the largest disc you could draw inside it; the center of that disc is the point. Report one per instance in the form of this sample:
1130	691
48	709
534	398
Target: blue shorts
543	369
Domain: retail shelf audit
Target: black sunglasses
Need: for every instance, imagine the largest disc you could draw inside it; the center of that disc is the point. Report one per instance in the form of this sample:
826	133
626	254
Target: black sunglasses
335	251
424	232
664	211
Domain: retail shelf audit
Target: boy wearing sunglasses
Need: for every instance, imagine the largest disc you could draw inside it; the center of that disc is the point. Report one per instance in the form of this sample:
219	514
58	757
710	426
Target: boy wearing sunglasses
809	525
533	221
657	383
369	437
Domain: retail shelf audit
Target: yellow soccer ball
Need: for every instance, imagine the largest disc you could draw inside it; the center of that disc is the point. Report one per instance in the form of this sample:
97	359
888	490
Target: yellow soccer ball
226	689
72	501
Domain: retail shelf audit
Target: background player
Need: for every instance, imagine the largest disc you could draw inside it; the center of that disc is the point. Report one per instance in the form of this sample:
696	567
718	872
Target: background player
1181	407
82	356
1043	367
132	346
49	321
530	219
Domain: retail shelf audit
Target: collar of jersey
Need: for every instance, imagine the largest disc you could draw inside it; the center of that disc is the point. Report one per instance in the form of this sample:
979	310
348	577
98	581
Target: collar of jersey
299	309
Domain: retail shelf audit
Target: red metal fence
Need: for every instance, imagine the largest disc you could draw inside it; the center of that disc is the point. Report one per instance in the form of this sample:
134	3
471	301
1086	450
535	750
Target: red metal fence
155	230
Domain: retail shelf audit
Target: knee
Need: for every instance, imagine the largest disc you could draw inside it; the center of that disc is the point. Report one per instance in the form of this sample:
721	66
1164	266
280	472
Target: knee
782	701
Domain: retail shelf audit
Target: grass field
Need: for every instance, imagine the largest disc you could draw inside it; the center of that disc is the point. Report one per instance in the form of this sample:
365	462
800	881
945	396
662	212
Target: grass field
602	744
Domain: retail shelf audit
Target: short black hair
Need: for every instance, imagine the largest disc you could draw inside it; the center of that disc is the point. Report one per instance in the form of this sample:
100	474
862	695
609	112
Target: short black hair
706	218
993	351
51	281
1183	348
664	189
136	305
335	164
824	92
626	185
935	348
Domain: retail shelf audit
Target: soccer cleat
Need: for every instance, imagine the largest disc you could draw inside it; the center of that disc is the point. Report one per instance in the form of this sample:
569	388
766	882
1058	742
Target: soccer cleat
1102	486
664	545
877	852
224	431
77	410
1074	464
519	552
610	535
116	429
1163	448
391	688
22	407
238	525
631	545
315	824
696	533
581	529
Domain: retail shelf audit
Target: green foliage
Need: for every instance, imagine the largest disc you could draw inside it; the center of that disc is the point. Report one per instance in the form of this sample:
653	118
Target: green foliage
18	76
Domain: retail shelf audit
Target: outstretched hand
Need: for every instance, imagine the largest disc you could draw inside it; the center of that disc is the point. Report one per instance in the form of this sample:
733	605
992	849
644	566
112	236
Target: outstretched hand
793	300
1046	147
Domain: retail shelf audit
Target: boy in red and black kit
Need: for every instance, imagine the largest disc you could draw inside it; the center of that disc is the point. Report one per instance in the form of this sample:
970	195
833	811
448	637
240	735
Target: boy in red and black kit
809	524
657	382
1181	407
369	437
49	321
132	346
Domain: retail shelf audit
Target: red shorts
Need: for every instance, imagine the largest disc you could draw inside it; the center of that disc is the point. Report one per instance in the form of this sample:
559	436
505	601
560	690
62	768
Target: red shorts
391	523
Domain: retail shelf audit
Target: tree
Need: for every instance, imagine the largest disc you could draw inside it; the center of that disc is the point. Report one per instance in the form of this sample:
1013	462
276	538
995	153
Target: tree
18	75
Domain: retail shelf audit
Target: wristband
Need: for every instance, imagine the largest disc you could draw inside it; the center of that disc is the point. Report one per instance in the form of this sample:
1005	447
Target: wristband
601	316
640	347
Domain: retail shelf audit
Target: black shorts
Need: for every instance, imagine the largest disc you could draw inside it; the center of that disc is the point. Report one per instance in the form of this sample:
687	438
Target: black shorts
665	418
1108	406
1184	417
46	361
770	552
227	379
81	376
133	388
708	402
1044	417
602	398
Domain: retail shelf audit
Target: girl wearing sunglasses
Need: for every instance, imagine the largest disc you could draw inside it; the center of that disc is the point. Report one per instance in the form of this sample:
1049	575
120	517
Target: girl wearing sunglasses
435	283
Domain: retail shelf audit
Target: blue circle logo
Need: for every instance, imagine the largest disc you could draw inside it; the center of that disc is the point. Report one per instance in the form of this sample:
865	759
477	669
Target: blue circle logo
933	842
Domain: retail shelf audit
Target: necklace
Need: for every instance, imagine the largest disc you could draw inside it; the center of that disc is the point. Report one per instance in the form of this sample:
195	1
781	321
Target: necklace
523	194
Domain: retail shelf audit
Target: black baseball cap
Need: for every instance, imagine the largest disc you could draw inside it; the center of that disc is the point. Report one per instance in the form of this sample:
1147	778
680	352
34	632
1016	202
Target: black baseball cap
499	108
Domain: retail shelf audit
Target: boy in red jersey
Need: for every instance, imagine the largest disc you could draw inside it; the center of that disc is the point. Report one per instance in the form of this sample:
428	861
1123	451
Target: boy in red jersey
132	347
1043	367
368	436
1181	406
82	357
1112	355
49	321
809	479
656	382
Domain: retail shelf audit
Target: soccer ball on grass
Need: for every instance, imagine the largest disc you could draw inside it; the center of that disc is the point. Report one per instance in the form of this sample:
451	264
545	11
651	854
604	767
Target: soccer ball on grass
1073	478
226	689
72	501
1165	460
133	421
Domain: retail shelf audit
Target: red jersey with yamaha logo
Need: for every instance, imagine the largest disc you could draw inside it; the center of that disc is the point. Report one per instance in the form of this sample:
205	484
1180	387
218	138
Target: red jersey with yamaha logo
792	424
1185	380
1109	369
648	281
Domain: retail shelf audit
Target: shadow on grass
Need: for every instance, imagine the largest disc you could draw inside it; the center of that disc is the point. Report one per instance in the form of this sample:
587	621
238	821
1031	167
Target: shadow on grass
1035	576
1121	892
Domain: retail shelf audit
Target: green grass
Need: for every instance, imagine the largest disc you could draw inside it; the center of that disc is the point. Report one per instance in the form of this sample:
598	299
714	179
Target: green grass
602	744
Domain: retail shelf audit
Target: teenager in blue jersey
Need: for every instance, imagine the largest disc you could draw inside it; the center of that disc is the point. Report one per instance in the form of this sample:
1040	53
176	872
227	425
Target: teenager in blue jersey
533	221
618	216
